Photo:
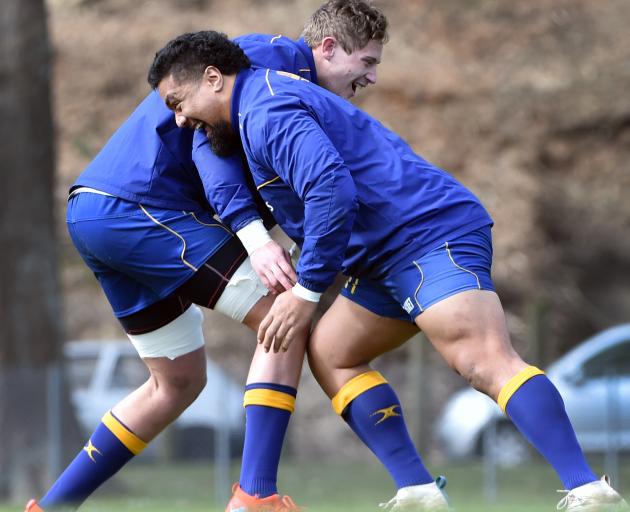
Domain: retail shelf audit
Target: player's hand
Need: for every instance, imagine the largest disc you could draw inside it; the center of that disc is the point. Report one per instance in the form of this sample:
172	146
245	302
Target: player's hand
272	264
288	317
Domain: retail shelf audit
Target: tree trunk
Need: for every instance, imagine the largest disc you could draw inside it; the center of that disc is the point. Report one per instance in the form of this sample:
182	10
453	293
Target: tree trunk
30	327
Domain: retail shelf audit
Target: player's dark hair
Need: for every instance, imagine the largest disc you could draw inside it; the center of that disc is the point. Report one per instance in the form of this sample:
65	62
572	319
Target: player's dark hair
354	23
190	54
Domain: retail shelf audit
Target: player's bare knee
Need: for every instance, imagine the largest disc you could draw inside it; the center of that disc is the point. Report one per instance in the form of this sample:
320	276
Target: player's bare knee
478	374
180	388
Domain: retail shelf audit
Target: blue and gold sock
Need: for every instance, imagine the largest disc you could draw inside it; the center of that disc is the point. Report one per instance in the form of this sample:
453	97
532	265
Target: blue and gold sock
268	409
372	410
536	408
111	446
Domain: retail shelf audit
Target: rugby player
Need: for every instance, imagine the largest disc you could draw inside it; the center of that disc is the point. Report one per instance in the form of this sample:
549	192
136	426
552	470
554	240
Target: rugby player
140	217
357	199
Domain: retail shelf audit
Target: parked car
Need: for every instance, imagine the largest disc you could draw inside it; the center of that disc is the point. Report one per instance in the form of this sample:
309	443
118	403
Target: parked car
594	381
101	373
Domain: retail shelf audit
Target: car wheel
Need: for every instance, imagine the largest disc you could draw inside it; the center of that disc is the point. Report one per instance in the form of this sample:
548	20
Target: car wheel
505	444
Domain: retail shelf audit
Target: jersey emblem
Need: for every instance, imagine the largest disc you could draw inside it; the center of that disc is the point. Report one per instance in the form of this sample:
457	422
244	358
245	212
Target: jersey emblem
269	206
408	305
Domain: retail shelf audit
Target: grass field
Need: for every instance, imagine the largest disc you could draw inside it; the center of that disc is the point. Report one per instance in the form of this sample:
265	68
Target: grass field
326	488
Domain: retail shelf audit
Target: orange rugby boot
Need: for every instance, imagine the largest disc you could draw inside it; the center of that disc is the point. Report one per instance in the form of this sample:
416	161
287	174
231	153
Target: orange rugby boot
32	506
243	502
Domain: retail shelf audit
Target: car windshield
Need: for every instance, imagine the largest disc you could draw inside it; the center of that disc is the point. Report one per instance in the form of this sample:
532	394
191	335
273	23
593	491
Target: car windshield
612	362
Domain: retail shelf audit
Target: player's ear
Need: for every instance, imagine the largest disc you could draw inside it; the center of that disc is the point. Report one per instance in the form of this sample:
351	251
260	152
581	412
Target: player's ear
213	77
328	44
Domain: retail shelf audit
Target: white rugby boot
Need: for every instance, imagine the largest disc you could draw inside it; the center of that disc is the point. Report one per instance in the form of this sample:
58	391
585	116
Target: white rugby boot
420	498
596	496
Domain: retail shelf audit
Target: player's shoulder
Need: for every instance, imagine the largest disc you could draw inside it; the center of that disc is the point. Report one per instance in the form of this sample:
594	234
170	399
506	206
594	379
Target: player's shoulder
274	43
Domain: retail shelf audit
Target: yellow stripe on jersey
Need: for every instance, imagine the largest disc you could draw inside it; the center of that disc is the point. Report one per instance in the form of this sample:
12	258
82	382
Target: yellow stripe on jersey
291	75
269	398
267	182
354	387
133	443
514	383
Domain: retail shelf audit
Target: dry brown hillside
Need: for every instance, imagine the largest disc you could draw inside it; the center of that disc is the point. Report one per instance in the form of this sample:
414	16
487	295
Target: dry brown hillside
525	102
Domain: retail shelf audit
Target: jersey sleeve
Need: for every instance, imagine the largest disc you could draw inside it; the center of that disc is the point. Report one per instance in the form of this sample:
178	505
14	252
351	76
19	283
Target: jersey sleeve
294	145
225	184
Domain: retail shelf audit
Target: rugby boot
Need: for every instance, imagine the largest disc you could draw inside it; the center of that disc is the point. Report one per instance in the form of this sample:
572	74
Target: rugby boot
32	506
243	502
596	496
420	498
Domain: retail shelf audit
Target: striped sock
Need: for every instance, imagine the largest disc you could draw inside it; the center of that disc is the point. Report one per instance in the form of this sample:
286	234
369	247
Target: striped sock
372	410
109	448
268	409
536	408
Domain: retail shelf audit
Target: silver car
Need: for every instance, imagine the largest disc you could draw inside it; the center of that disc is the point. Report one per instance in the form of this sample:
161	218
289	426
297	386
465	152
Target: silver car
594	381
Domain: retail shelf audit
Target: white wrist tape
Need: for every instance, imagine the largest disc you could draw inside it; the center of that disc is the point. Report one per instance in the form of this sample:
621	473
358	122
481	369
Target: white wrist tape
253	236
306	294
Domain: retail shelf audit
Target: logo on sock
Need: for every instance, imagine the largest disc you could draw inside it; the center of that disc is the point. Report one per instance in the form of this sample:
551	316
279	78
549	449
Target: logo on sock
90	449
387	412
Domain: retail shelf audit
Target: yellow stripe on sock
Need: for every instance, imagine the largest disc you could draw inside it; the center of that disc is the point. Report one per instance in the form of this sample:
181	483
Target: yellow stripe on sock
354	387
269	398
514	383
133	443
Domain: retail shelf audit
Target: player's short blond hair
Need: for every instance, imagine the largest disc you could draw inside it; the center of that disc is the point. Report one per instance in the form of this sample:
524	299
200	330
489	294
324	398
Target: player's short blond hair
353	23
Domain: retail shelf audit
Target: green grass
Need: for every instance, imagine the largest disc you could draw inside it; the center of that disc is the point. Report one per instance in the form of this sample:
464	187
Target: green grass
326	487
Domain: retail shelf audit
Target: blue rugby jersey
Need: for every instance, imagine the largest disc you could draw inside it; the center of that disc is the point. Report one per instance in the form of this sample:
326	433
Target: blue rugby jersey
351	192
151	161
148	160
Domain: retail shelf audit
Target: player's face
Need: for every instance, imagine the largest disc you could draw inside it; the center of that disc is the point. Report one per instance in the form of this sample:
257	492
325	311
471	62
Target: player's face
350	71
197	105
191	100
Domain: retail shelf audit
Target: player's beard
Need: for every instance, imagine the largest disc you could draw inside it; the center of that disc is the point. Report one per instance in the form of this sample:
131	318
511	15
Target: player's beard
222	139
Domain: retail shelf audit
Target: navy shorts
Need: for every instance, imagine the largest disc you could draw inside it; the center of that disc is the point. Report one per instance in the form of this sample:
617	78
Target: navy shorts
141	254
416	282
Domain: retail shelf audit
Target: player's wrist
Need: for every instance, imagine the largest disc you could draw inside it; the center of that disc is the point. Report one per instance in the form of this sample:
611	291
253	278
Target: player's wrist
253	236
304	293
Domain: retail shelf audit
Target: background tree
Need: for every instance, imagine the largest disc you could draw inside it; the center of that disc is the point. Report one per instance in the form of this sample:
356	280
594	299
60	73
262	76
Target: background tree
30	327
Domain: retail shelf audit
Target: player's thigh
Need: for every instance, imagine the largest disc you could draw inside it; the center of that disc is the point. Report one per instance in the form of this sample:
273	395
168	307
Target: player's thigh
468	329
350	335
